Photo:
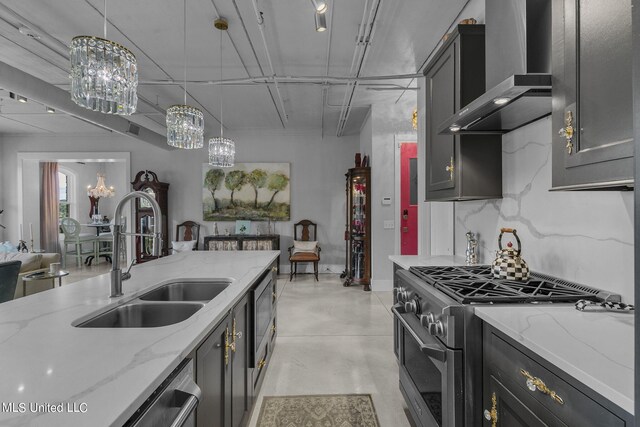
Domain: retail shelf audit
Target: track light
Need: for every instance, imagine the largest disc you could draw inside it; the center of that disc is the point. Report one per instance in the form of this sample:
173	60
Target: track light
51	110
321	22
17	97
319	6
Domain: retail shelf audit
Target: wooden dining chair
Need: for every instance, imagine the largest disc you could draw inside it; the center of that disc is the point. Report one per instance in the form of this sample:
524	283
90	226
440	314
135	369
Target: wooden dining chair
8	279
191	231
305	247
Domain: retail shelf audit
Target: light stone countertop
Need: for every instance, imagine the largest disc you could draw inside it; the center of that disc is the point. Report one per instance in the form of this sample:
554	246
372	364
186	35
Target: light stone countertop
406	261
594	347
46	360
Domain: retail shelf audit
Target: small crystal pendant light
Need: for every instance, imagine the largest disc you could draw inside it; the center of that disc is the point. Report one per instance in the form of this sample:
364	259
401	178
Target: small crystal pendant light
185	124
222	151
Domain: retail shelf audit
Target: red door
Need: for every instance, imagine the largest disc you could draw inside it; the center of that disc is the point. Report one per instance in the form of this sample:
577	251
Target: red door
408	198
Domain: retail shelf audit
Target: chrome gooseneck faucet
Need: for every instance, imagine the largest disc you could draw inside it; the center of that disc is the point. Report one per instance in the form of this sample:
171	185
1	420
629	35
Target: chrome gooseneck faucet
116	272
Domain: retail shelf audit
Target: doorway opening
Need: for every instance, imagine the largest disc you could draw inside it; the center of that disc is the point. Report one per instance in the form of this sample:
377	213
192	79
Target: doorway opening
408	197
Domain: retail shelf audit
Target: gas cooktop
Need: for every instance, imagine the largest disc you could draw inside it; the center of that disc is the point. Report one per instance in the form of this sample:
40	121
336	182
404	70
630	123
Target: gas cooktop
476	284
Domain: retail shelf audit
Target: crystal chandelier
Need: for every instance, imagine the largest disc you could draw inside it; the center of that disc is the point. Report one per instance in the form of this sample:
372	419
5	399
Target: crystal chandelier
104	74
100	190
222	151
185	124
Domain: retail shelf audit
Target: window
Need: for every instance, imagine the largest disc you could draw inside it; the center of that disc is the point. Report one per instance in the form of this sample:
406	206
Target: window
64	203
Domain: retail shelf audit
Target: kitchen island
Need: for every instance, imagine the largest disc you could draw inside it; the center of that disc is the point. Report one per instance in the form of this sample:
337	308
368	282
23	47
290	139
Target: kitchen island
102	375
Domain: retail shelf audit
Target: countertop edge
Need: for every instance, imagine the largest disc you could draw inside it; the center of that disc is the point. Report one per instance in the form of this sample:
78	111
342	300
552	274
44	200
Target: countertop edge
614	396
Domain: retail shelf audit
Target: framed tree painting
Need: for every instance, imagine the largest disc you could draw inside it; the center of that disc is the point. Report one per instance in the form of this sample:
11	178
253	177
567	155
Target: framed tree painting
246	191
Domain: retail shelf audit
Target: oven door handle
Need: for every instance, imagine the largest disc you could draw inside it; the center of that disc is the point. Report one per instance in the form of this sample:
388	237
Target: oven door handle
434	351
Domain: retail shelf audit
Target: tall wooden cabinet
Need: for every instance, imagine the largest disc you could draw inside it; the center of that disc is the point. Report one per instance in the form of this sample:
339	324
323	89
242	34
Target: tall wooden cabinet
592	95
148	182
459	167
358	228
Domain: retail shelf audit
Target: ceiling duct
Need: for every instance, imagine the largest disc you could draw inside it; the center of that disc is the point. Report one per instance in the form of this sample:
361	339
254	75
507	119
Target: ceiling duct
45	93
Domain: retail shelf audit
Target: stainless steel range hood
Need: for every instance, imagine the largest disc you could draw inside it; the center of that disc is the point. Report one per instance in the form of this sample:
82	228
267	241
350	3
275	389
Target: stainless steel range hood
518	69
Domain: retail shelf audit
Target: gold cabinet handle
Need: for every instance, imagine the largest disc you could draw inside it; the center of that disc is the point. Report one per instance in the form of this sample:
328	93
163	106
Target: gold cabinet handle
535	383
492	415
568	131
273	329
261	363
227	346
274	269
450	169
235	335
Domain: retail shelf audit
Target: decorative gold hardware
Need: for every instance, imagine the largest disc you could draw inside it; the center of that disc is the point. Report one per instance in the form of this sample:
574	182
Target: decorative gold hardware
226	347
414	119
450	169
273	329
535	383
233	334
492	415
261	363
568	131
274	269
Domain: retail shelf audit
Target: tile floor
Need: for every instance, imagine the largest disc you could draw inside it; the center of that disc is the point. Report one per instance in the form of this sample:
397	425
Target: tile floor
334	340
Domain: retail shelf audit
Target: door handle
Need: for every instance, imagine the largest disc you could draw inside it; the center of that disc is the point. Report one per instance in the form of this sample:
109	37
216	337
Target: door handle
430	350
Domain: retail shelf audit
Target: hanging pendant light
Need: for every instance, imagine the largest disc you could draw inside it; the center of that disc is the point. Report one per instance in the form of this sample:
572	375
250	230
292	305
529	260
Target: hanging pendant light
222	151
185	124
104	74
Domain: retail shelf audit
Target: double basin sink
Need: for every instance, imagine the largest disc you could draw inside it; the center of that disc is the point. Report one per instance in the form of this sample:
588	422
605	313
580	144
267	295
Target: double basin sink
166	305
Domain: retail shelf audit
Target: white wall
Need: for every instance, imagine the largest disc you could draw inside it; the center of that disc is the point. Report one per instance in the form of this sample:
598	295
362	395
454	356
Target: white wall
317	177
585	237
387	122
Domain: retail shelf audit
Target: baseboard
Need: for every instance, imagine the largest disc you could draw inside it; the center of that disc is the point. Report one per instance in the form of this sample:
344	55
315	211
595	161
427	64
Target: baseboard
381	285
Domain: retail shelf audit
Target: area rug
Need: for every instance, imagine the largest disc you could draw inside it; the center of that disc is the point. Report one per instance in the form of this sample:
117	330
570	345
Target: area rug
329	410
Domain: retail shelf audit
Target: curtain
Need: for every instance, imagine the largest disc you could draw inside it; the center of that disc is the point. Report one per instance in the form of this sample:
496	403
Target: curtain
49	199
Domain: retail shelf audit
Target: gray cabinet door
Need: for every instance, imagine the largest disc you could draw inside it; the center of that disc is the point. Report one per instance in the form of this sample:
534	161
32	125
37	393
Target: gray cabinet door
213	375
511	411
440	84
459	167
592	88
241	398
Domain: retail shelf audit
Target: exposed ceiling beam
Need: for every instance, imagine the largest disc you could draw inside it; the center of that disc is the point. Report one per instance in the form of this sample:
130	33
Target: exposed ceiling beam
45	93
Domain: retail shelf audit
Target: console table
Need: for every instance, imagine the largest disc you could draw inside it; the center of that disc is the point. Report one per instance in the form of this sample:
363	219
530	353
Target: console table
243	242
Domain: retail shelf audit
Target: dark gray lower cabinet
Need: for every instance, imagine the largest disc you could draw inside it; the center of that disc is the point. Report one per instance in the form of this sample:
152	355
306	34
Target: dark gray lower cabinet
213	376
222	371
522	389
228	370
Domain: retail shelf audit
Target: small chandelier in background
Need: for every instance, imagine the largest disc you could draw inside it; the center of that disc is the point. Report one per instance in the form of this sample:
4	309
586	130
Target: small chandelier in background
185	124
222	151
101	189
104	74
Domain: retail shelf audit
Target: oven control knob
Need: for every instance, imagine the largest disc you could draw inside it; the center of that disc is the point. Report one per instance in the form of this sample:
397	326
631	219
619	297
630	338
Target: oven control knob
411	306
436	328
402	294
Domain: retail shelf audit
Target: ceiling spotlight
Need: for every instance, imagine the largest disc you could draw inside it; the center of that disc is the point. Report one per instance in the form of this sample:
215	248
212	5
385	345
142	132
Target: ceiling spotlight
17	97
50	110
501	101
321	22
319	6
454	128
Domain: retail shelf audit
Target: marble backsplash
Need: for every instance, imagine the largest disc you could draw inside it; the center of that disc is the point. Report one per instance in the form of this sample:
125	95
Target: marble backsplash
585	237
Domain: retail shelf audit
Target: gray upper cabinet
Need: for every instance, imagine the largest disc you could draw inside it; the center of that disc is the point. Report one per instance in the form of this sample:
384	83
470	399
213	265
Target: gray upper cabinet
459	167
592	95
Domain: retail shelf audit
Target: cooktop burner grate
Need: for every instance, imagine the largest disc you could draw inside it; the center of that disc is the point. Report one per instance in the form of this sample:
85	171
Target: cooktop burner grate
476	284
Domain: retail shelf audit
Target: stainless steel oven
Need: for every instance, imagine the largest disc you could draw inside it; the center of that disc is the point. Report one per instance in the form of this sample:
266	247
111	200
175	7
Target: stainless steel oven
431	374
